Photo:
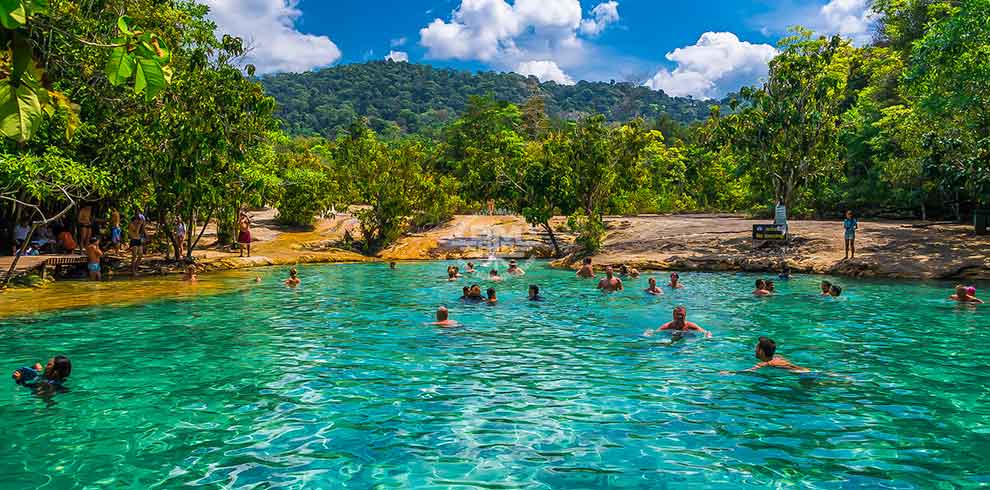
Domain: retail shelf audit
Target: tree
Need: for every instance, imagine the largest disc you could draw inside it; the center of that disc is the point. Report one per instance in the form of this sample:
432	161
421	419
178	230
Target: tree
785	132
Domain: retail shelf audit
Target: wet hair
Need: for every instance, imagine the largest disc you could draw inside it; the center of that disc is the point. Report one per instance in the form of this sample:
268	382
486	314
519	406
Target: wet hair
835	290
769	284
494	272
587	260
442	314
767	346
94	239
826	285
466	290
674	275
61	368
761	284
491	293
680	307
293	272
534	288
652	280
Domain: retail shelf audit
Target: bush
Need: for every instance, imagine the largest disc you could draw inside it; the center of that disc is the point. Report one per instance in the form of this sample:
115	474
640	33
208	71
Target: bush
306	192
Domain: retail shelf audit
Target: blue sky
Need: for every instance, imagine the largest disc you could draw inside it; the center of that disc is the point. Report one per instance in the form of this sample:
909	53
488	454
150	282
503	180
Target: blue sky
697	48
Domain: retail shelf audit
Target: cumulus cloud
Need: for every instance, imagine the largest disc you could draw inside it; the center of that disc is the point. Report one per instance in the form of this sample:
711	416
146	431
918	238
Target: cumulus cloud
545	70
601	16
397	56
718	63
509	35
268	27
849	18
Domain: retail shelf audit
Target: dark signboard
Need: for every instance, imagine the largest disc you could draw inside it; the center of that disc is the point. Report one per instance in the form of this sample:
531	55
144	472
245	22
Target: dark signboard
770	232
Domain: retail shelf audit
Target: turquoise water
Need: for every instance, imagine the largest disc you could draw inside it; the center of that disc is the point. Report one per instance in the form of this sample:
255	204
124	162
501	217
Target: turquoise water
340	384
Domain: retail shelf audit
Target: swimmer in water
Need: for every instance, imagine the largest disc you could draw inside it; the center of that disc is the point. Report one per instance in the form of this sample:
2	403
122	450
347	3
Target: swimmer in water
391	265
493	276
761	288
514	269
443	318
826	288
679	325
470	268
54	373
633	273
653	289
785	274
465	293
293	279
766	350
966	295
586	271
452	274
492	299
834	291
534	293
190	274
475	293
610	283
770	286
675	281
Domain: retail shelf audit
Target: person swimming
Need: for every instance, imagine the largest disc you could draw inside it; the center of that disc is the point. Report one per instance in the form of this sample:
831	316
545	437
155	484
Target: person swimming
452	273
293	279
586	271
54	373
492	299
966	294
766	350
785	274
761	288
190	274
610	283
465	293
443	318
770	285
514	269
493	276
834	291
675	281
653	289
391	265
679	325
826	288
475	294
470	268
534	293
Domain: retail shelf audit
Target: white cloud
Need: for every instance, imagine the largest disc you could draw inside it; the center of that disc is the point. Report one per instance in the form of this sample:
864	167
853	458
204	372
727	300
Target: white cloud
395	43
850	18
397	56
601	16
718	63
268	27
545	70
507	35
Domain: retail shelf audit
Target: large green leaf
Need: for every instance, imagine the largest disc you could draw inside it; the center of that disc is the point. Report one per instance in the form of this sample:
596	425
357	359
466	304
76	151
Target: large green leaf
20	111
150	78
120	66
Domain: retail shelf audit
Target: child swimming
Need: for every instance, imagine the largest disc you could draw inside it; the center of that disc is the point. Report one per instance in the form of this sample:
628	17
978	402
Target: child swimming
492	299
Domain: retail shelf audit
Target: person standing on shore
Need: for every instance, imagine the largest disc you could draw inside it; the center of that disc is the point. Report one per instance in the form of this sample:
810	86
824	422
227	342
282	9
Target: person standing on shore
116	234
135	231
244	233
85	221
93	255
851	224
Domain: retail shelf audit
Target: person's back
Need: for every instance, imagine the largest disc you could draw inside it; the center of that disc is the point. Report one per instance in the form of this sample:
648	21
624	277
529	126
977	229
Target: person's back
66	241
586	271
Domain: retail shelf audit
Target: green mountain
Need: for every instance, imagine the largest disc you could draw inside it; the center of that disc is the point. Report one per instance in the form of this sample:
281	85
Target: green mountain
405	98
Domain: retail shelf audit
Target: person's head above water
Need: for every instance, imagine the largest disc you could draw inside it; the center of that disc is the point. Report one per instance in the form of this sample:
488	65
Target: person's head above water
587	261
680	313
466	291
493	273
761	284
58	368
442	314
653	282
834	291
674	277
391	265
293	272
491	293
534	290
826	287
765	349
475	291
609	271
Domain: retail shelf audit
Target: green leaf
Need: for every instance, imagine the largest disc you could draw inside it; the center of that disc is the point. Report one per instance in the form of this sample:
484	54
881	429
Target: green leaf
120	66
123	23
150	79
20	111
12	14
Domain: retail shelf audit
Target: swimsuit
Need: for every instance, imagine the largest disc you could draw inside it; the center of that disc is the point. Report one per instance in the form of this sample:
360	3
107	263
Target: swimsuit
850	225
94	267
244	236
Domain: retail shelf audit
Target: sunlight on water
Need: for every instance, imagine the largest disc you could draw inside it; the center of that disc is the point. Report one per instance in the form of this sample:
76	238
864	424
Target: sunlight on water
340	384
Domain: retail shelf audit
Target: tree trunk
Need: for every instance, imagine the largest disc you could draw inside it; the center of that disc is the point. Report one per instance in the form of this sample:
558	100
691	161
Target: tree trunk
20	252
553	239
192	243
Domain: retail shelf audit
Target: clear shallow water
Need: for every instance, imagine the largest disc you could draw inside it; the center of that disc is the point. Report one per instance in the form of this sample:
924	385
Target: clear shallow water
339	384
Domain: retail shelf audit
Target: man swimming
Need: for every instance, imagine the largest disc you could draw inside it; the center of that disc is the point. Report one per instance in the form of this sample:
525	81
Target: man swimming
834	291
826	288
653	289
391	265
492	299
470	268
475	293
293	279
443	319
514	269
610	283
766	350
586	271
493	276
452	274
761	288
679	325
675	281
534	293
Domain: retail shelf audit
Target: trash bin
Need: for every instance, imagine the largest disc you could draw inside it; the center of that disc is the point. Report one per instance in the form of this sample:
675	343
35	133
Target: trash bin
981	219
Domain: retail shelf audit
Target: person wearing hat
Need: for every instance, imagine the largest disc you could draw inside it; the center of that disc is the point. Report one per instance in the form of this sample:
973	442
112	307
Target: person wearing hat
514	269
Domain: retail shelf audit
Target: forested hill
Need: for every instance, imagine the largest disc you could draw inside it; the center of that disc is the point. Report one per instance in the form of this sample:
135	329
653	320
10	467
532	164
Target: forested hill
404	98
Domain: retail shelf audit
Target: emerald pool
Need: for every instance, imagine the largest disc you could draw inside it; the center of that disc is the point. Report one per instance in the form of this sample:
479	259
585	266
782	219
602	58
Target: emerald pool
341	384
